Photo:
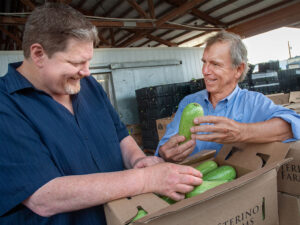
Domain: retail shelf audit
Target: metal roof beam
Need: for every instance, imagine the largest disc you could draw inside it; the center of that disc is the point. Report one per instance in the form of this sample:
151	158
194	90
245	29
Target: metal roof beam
12	36
138	8
169	16
199	14
161	41
259	12
108	13
29	4
151	9
275	19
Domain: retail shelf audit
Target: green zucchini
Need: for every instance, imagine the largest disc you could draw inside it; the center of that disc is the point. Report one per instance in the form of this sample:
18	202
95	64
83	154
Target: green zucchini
221	173
206	185
189	113
141	213
206	166
168	200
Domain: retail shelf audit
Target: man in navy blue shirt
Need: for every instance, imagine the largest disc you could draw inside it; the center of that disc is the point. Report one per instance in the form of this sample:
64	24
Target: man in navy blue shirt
232	115
63	147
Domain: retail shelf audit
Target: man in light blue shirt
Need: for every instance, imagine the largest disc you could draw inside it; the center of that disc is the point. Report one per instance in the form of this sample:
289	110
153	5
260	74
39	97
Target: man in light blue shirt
232	115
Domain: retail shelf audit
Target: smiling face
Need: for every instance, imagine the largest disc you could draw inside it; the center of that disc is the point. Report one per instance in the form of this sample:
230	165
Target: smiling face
219	75
61	74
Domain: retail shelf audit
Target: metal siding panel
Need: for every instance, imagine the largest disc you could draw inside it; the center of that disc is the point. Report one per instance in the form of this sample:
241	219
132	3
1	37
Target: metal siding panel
7	57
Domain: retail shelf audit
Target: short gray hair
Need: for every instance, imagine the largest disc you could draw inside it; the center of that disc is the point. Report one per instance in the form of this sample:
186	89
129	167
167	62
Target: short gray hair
53	24
238	50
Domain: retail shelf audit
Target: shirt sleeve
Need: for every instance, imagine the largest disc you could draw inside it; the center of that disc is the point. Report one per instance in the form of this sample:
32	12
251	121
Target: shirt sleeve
25	163
265	107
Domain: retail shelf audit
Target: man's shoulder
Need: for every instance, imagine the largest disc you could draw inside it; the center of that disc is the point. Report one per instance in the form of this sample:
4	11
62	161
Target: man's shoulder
250	94
249	97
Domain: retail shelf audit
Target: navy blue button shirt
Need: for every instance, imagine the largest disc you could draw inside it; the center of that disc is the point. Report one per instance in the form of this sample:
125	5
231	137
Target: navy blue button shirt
41	140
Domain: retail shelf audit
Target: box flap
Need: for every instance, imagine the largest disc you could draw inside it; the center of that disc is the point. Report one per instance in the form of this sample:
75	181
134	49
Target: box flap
252	156
149	202
295	97
219	190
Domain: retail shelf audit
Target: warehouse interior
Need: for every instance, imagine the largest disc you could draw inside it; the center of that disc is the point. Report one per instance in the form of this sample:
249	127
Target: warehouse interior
148	59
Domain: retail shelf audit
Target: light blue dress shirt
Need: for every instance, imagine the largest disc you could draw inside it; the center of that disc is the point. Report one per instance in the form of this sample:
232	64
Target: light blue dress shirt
242	106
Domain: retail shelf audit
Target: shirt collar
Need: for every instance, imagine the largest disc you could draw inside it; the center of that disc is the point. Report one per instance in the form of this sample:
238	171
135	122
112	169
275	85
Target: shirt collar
227	98
15	80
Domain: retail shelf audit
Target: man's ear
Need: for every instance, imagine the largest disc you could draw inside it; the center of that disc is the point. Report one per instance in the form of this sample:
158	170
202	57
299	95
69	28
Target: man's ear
239	70
37	54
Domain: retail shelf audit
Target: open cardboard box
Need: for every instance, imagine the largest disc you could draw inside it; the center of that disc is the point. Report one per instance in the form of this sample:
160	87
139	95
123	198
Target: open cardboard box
280	98
289	174
289	209
249	199
289	100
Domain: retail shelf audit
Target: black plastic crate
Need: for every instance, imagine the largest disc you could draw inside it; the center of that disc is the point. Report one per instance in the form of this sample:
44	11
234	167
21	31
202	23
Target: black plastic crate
155	91
267	88
155	113
148	124
197	85
149	143
155	102
268	66
150	134
244	85
264	78
289	80
182	89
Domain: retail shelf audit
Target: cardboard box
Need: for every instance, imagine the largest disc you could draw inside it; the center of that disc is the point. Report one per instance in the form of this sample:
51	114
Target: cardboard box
289	100
280	98
135	131
294	97
161	126
294	101
249	199
289	174
288	209
285	98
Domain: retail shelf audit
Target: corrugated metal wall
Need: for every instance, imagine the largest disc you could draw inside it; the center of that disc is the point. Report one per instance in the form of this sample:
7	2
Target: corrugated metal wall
190	57
137	68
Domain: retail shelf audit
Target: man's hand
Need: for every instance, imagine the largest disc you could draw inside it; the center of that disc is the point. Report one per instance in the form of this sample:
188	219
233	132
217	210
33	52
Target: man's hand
171	180
173	152
220	129
147	161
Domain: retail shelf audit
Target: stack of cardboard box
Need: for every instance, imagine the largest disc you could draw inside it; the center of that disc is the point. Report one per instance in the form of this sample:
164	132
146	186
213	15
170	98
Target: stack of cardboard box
289	100
289	188
289	174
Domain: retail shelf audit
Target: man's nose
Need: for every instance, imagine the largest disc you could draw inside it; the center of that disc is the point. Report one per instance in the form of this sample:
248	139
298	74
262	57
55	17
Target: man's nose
205	68
85	70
